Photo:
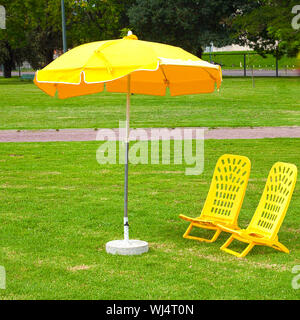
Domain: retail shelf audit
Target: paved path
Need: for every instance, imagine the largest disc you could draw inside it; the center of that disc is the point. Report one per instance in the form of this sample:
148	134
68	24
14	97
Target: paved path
229	72
148	133
261	73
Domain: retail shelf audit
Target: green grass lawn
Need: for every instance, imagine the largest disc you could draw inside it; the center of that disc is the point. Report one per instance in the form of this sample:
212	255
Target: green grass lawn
59	207
273	102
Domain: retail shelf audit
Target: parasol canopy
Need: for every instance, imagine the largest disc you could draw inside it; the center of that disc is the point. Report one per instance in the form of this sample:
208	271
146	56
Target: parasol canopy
84	70
131	66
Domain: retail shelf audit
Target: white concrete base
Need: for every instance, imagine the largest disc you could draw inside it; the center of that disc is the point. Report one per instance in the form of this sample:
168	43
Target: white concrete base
127	247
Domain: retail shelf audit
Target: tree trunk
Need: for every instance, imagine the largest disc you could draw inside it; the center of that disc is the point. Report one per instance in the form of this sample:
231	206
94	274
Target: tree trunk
49	56
8	63
7	69
199	53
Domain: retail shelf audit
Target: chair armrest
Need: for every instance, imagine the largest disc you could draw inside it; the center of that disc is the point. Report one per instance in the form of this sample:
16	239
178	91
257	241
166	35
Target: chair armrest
186	218
227	229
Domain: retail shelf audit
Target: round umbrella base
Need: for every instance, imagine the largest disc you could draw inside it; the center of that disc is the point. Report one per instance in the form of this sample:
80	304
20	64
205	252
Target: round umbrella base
127	247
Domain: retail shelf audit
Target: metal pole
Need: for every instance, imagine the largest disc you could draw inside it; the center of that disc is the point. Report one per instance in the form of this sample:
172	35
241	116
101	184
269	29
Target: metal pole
277	66
64	34
126	225
245	70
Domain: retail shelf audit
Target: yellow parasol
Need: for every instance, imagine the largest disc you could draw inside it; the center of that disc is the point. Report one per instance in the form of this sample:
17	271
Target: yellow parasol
128	65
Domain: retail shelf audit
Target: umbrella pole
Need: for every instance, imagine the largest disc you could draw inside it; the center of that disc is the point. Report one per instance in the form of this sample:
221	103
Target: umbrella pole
126	225
126	246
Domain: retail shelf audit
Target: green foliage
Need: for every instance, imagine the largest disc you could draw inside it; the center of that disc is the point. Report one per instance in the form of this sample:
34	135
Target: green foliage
266	27
94	20
191	24
13	38
34	28
32	33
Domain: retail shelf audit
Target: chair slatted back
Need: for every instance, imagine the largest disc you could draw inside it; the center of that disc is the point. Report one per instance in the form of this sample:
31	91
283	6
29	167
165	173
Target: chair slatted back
274	201
227	189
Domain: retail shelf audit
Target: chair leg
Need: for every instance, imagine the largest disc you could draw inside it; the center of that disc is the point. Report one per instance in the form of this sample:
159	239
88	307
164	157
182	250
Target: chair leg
246	251
280	247
237	254
189	229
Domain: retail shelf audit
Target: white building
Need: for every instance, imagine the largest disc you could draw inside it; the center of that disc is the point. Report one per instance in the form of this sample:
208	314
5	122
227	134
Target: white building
233	47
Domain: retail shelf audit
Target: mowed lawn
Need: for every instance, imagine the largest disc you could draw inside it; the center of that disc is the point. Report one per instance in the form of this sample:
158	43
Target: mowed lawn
273	102
59	207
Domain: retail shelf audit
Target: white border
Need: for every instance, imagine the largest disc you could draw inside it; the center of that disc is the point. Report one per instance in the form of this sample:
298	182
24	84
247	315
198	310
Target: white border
191	63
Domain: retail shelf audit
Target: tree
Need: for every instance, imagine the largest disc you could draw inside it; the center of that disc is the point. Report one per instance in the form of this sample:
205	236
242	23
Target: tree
45	32
12	39
94	20
266	27
34	28
191	24
32	33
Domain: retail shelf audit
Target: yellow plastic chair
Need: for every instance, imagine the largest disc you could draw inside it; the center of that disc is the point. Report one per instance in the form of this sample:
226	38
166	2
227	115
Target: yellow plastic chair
225	197
270	212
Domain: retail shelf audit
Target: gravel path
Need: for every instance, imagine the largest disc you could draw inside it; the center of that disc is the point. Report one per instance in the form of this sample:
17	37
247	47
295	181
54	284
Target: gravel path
113	134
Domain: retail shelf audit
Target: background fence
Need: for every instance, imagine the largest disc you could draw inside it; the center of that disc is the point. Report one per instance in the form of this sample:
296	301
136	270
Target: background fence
250	63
